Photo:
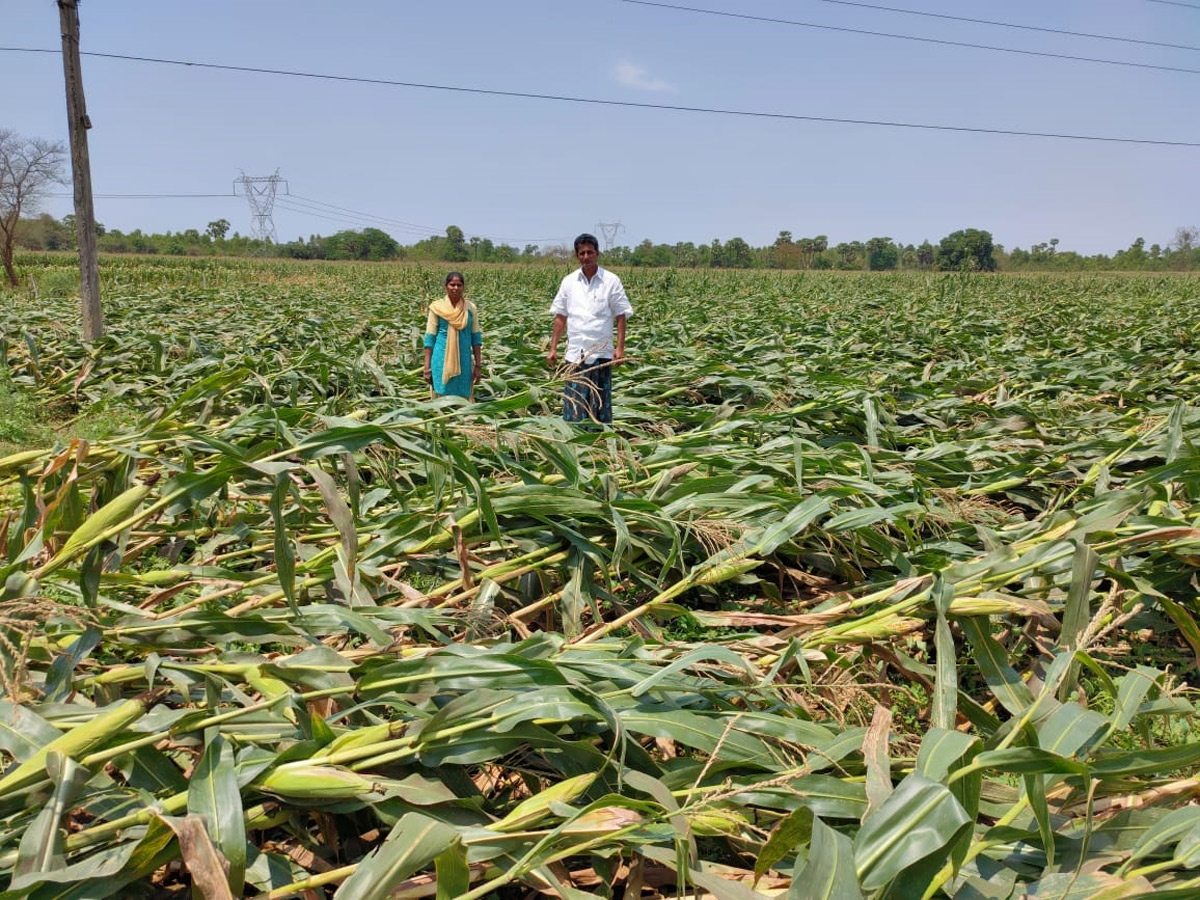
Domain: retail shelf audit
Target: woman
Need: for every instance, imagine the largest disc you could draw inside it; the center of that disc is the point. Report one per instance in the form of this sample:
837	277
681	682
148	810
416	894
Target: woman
452	359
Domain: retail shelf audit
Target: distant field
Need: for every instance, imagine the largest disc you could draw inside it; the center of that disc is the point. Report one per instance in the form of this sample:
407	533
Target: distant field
880	582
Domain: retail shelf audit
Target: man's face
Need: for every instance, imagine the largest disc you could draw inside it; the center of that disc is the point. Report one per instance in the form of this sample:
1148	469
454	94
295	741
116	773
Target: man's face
587	256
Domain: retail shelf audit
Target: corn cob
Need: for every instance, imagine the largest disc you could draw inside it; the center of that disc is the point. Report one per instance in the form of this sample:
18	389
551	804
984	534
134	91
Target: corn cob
717	822
20	460
80	740
536	807
309	782
365	737
115	514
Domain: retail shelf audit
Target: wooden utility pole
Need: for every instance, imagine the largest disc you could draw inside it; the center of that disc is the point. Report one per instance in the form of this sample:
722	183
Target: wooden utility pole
81	171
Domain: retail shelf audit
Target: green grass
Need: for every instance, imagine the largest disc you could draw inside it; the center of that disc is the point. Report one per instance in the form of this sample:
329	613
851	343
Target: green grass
26	423
21	425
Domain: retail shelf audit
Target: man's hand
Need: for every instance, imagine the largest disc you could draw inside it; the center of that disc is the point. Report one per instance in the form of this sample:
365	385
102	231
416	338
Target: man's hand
619	356
427	374
556	333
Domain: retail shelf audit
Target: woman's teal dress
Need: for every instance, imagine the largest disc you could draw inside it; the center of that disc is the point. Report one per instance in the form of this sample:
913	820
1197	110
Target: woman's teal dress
460	384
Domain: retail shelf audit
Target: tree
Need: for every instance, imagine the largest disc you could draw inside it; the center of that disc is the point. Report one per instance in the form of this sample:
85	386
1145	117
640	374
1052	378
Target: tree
218	229
786	254
1186	238
1135	257
45	233
737	254
850	255
368	244
28	166
969	250
456	245
686	254
926	254
882	254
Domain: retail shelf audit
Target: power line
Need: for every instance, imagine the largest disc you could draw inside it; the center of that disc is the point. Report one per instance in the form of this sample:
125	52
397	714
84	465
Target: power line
1045	54
629	104
911	37
345	215
361	220
340	219
1042	29
399	222
321	209
1175	3
412	226
144	196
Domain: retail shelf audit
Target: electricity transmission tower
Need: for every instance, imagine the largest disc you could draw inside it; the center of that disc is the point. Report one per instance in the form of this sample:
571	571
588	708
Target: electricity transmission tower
608	231
260	192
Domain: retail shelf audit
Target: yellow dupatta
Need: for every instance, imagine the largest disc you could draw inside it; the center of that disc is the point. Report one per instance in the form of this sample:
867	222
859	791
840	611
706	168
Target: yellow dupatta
456	319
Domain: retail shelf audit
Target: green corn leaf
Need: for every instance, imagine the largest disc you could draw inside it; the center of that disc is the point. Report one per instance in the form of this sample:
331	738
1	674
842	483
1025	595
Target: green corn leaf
215	799
414	842
1078	612
793	834
1035	792
1176	826
829	873
453	874
1132	689
41	848
1071	729
285	557
1001	677
920	818
945	687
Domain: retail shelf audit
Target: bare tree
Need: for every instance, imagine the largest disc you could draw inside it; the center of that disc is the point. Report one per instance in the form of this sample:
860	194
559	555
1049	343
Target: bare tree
28	166
1186	237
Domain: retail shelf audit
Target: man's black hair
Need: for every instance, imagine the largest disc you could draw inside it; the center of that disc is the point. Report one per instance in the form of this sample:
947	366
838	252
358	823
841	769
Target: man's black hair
586	238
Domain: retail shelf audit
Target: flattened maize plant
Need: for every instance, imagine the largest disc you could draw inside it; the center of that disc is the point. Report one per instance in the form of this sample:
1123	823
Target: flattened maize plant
879	586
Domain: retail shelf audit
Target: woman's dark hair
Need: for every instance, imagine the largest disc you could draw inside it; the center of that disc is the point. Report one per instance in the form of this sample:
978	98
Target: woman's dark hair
587	239
458	275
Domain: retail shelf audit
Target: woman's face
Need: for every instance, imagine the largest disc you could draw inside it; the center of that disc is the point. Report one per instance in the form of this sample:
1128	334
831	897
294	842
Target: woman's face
454	289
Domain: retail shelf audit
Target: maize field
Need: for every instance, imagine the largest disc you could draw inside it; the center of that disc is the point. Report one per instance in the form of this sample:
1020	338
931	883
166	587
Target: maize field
880	586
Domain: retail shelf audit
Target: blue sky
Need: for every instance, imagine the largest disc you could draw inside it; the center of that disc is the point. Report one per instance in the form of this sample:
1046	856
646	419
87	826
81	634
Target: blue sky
413	160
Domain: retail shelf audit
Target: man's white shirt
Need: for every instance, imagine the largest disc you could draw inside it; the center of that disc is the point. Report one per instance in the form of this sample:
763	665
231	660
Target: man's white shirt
590	306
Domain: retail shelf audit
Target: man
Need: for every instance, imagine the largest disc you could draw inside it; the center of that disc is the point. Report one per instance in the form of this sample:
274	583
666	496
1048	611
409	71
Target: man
588	303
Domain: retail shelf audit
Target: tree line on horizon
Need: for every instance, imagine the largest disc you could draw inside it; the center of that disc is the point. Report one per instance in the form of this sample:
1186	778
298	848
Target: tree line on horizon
28	166
968	249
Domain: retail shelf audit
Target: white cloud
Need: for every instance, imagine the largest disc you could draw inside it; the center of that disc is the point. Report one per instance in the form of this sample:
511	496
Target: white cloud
635	76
